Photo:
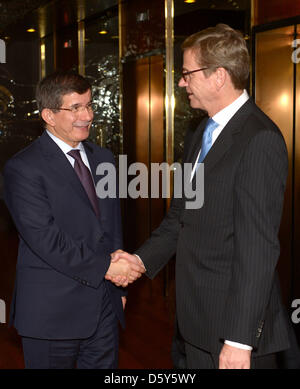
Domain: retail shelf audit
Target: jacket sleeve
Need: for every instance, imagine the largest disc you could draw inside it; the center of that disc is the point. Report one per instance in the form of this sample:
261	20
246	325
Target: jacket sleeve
161	246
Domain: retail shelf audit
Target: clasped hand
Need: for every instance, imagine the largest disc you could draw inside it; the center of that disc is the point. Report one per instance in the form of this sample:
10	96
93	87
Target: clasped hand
124	268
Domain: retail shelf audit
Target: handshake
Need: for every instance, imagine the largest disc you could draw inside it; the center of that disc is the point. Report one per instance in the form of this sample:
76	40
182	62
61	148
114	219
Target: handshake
124	268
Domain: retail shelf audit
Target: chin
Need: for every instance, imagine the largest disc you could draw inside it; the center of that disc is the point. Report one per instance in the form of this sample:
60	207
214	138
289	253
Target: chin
195	105
82	134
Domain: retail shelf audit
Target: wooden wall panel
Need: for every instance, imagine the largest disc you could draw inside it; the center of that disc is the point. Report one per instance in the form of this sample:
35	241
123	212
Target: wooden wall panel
66	49
156	131
143	133
266	11
296	236
274	95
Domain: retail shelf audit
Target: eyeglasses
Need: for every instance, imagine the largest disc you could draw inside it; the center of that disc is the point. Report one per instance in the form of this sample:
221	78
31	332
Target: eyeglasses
75	109
185	74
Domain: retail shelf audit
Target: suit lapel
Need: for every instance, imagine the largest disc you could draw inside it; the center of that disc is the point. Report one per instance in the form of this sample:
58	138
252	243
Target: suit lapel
225	140
196	143
95	158
62	168
92	161
222	144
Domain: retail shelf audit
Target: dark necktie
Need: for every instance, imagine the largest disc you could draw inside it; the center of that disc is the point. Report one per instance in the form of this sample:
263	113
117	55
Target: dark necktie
86	179
211	125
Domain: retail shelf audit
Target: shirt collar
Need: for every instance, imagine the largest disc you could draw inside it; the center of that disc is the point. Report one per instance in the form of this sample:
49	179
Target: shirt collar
223	116
63	145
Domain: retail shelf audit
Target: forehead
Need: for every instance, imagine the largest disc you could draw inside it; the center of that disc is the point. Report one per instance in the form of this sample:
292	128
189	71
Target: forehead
189	59
76	98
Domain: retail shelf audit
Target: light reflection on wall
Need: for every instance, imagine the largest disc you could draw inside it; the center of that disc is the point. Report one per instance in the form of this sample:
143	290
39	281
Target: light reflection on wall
105	130
284	101
13	109
274	77
102	70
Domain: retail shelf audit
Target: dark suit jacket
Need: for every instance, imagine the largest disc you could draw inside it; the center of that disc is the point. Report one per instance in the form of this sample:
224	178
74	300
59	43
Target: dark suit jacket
227	251
64	249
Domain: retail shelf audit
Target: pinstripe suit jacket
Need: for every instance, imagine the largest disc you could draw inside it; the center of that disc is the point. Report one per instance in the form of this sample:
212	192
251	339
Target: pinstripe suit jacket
226	251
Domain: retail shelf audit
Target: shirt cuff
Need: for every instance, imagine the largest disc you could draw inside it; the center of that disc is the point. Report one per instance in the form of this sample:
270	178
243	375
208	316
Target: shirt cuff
142	263
238	345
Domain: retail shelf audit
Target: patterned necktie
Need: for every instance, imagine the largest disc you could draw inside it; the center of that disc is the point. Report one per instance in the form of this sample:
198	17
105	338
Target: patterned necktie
86	179
211	125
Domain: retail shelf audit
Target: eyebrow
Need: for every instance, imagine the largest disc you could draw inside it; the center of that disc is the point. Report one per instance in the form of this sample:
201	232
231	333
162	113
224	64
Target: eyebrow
78	104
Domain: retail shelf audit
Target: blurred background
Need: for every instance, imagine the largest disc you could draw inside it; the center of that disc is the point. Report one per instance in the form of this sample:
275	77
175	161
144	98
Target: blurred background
130	52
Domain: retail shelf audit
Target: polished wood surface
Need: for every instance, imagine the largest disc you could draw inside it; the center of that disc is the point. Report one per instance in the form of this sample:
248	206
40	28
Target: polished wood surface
143	134
266	11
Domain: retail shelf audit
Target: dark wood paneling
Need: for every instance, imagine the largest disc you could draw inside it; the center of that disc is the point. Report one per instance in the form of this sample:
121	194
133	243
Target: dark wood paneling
136	145
66	58
156	131
296	263
143	141
270	10
143	28
273	90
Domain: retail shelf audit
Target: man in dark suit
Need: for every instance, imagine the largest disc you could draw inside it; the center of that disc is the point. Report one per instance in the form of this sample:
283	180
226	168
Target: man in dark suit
228	300
64	309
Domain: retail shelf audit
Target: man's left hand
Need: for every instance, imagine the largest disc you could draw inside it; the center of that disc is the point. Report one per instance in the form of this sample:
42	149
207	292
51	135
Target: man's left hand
234	358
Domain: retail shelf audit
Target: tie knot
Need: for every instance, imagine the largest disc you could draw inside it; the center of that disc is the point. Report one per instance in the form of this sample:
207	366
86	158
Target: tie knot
75	153
211	125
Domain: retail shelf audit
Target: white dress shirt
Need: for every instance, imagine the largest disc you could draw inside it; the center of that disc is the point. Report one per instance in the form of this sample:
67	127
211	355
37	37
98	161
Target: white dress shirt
65	148
222	118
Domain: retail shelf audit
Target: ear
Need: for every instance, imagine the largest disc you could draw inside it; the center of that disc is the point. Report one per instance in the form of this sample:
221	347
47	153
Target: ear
48	116
220	77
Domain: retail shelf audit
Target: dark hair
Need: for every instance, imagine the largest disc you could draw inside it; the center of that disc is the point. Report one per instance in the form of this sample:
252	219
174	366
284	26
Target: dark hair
52	88
221	46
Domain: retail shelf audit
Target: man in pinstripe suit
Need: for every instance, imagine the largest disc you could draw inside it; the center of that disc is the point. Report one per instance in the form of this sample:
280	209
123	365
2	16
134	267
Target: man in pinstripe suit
227	291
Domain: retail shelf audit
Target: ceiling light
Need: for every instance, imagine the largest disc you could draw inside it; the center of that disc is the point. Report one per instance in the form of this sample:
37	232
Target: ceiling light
190	1
103	27
30	30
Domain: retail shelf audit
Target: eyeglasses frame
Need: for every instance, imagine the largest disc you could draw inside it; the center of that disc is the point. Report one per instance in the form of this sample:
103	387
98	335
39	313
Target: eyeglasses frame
184	74
90	107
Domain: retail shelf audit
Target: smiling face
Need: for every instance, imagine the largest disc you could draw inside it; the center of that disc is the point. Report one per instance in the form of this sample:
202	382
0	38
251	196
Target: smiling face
70	127
199	87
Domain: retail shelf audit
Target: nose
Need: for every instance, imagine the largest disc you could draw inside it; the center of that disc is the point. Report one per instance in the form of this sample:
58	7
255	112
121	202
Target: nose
86	114
182	83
